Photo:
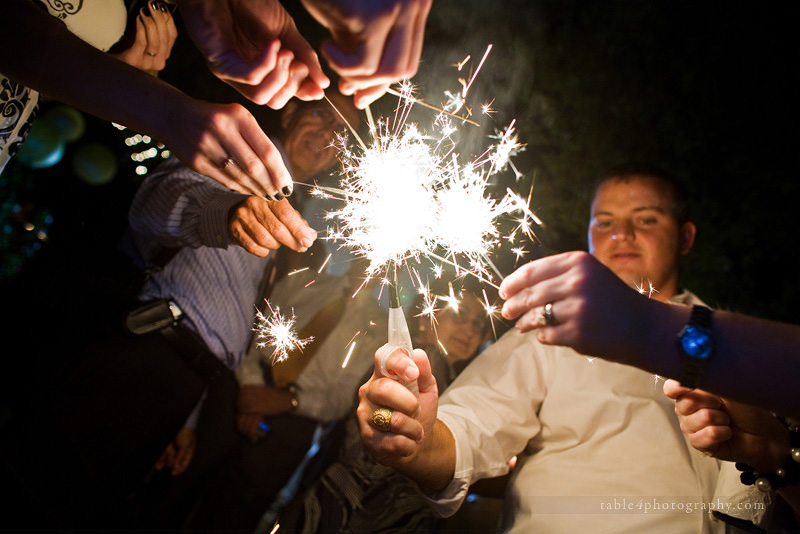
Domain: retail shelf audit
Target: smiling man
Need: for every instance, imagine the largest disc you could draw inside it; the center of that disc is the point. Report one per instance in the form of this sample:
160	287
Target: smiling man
598	445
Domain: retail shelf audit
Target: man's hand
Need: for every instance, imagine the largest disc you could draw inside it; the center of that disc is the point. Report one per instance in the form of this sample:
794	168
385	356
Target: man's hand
596	312
259	225
257	401
254	46
729	430
374	42
178	454
412	418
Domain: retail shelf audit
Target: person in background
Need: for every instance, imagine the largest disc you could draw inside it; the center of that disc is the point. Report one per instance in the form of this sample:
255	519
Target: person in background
569	419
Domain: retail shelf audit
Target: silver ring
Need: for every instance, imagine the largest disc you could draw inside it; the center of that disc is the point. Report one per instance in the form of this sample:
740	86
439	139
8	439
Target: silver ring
382	419
227	162
546	316
149	54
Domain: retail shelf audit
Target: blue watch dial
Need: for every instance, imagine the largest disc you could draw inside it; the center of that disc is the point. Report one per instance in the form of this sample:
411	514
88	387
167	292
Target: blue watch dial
696	342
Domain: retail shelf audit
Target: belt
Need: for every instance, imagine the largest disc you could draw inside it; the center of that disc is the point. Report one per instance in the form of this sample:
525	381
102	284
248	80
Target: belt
164	316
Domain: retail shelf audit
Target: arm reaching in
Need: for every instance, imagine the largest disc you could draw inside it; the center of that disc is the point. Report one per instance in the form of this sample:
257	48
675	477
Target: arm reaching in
254	46
373	42
734	432
203	135
416	444
598	315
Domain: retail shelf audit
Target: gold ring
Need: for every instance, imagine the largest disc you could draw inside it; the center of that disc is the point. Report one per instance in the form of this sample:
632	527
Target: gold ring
382	419
227	162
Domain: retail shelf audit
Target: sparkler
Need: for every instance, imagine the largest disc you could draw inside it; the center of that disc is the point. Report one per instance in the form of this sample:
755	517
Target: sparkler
407	196
278	332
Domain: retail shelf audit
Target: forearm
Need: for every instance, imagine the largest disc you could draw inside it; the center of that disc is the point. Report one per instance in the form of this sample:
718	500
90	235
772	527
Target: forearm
178	207
433	466
755	361
50	59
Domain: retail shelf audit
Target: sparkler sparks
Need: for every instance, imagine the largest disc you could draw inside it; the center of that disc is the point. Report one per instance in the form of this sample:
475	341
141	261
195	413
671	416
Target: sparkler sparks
277	332
407	196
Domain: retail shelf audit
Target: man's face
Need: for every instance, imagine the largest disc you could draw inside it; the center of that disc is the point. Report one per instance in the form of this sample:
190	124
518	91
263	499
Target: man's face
634	233
310	131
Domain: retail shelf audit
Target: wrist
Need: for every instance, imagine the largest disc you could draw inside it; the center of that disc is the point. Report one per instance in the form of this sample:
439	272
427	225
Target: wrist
294	400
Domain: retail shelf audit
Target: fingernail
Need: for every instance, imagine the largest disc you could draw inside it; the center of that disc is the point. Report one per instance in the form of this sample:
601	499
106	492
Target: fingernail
278	196
268	197
154	5
163	7
306	242
287	190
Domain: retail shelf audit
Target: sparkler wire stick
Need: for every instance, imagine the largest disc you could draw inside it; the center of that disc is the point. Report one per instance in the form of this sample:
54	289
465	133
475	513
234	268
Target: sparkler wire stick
399	336
429	106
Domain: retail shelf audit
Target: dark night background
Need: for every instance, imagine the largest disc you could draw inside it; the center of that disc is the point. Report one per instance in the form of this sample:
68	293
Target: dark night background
699	88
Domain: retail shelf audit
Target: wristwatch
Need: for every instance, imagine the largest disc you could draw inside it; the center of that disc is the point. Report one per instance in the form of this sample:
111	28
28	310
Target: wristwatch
696	345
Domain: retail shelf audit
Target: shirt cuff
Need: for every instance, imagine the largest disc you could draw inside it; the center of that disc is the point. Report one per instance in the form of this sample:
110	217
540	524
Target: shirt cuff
214	218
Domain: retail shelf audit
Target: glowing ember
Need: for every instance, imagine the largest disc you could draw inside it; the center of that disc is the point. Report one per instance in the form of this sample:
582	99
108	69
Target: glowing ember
277	332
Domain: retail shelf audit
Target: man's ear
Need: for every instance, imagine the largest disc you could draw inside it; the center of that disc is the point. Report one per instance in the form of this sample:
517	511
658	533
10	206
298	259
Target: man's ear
288	114
687	234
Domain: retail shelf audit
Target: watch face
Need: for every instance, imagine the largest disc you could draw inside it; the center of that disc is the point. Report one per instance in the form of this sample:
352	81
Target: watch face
696	343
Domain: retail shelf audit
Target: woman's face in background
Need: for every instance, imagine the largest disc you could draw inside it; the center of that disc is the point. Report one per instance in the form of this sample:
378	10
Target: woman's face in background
460	332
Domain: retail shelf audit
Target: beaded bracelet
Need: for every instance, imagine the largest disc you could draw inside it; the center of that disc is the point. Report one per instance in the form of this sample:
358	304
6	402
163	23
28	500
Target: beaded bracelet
788	474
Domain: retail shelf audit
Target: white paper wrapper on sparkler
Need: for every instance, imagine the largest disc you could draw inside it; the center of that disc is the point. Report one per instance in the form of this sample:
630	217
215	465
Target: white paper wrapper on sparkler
399	338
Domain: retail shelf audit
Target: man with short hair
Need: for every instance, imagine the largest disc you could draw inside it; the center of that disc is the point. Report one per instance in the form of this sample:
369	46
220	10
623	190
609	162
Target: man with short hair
598	446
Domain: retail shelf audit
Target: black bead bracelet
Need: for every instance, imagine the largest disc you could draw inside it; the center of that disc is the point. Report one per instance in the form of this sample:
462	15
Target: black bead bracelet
787	475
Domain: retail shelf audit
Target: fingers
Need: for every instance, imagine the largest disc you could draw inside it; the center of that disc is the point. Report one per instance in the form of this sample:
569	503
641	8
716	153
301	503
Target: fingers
183	458
694	400
277	80
313	87
396	363
235	151
298	72
166	459
260	226
159	35
247	424
230	67
524	278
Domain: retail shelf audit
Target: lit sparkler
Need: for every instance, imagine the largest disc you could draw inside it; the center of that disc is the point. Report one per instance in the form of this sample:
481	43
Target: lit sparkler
277	332
408	196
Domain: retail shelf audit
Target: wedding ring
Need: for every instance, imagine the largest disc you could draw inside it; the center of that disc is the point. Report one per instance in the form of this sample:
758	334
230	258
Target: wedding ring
382	419
226	162
150	54
546	316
